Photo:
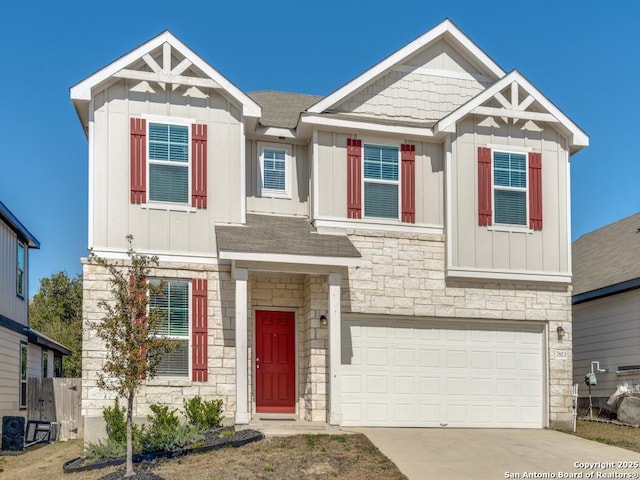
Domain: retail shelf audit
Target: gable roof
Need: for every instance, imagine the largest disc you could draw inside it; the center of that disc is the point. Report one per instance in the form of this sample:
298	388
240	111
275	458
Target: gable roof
605	261
446	29
82	91
578	138
14	224
282	109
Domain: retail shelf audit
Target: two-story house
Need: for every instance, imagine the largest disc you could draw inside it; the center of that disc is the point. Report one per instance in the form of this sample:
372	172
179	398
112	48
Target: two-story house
15	243
396	253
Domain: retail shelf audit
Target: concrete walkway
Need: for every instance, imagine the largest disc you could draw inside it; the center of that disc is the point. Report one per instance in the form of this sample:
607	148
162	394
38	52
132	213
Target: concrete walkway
424	453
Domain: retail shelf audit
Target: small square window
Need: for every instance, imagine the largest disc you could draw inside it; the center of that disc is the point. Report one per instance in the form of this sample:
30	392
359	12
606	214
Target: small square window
274	176
168	163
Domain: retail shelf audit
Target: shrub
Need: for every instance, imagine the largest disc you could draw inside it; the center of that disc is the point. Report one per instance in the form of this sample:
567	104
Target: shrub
165	432
116	425
103	449
203	415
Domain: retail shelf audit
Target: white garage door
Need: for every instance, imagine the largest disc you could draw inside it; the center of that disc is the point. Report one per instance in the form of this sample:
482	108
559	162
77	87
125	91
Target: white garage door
418	374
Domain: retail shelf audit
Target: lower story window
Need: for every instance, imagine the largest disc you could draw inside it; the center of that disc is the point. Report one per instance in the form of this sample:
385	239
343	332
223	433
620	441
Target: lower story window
45	363
23	375
174	306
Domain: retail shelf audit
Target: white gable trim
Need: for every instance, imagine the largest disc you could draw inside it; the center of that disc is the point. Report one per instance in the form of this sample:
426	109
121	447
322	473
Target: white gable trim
83	90
578	140
446	27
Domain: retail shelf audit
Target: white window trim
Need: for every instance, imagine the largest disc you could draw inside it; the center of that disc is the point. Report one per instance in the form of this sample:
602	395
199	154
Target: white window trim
398	182
175	337
513	227
157	204
288	161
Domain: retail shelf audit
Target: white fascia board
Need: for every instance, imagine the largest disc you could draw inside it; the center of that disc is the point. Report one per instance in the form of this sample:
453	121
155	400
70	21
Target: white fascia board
338	226
446	27
578	138
276	132
294	259
163	256
83	90
518	276
351	125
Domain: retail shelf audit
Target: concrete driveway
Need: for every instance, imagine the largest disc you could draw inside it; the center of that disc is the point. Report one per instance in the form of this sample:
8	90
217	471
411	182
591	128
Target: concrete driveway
424	453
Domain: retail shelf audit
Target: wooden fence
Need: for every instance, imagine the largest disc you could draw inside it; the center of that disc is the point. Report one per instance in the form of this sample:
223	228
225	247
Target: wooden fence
57	400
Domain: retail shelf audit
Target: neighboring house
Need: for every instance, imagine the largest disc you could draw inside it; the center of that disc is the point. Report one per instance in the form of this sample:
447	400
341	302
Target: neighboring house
606	307
395	253
23	352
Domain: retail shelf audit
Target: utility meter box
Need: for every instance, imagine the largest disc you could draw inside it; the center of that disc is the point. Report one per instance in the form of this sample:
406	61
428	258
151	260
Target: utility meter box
590	379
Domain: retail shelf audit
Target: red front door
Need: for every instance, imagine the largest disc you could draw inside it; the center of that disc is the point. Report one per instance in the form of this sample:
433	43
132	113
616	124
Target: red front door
275	362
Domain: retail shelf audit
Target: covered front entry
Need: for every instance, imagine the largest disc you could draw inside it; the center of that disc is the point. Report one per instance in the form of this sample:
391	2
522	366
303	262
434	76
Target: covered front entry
275	362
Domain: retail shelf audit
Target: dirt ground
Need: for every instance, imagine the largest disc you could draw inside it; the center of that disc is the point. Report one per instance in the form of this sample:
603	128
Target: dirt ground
348	457
620	436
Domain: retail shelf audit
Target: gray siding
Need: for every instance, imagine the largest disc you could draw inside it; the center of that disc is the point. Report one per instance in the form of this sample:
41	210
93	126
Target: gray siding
298	204
162	230
11	305
427	86
332	176
606	330
504	249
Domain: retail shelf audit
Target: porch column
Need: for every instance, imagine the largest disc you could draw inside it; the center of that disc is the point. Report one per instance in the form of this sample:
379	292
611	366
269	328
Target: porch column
335	412
242	380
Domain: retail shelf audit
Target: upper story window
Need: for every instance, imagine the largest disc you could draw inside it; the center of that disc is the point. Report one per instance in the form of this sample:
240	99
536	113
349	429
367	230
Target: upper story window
381	181
20	264
510	188
174	305
275	170
168	163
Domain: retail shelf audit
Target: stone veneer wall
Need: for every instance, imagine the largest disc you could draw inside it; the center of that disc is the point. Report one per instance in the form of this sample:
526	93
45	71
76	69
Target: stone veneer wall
404	274
221	381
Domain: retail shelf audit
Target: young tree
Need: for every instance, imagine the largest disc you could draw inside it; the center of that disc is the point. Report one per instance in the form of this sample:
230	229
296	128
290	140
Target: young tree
56	311
128	330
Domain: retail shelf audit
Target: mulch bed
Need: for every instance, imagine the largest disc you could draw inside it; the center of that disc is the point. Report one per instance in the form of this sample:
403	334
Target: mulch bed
214	440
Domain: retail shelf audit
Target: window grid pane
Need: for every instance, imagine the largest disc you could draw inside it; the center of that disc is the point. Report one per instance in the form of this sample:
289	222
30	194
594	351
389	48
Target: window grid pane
380	163
174	305
175	363
380	200
169	183
168	142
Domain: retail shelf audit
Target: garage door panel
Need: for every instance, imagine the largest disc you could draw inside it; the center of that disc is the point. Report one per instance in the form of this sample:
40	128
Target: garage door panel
427	374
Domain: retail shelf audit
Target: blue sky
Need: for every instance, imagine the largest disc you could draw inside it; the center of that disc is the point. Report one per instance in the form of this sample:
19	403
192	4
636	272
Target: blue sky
582	56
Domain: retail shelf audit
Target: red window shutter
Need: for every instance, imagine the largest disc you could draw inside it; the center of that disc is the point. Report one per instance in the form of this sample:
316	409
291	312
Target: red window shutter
199	331
199	166
138	160
354	178
408	157
535	190
485	187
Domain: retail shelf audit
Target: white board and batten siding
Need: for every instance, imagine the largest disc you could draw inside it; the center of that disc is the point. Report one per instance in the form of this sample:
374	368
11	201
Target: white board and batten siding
606	330
413	373
11	305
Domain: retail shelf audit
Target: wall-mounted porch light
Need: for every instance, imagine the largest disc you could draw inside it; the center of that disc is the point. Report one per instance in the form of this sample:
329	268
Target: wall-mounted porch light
324	323
561	333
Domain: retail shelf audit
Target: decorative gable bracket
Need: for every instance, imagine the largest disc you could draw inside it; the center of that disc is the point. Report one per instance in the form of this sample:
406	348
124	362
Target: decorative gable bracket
514	97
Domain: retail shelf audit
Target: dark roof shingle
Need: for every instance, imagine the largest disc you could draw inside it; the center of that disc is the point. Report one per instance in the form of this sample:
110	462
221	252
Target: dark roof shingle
282	109
282	235
607	256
